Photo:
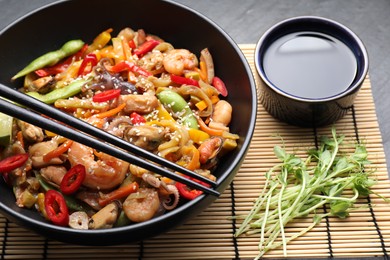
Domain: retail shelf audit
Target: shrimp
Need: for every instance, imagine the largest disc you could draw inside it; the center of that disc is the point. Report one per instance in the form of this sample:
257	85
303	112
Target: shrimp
222	115
178	60
209	149
143	205
105	173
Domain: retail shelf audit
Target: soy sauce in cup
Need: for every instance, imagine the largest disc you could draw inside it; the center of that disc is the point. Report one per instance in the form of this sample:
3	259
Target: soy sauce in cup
313	65
310	69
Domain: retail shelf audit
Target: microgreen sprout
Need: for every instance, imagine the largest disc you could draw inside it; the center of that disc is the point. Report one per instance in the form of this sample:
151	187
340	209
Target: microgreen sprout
297	188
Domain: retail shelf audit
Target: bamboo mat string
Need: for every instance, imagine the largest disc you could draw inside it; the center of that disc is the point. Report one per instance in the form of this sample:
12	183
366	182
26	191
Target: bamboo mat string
234	227
45	247
378	230
4	245
327	224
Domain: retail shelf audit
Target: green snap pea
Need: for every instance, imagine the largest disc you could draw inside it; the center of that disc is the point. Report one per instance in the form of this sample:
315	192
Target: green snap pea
122	220
177	103
60	93
51	58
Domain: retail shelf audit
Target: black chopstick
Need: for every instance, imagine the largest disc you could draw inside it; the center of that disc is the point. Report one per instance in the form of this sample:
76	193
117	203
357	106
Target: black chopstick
89	138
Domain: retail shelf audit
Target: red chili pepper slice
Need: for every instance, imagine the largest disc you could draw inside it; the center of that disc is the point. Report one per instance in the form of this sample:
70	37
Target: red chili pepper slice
184	81
187	192
146	47
13	162
129	66
56	208
61	67
89	59
106	95
220	86
73	179
137	119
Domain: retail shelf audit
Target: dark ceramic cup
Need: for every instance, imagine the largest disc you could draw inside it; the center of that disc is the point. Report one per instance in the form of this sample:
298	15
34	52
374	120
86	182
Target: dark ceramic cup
316	39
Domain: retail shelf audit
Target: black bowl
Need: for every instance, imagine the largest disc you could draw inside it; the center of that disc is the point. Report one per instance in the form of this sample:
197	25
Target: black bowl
310	111
47	28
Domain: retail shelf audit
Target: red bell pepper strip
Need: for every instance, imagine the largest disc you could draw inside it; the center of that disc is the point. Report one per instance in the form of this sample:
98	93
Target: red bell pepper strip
146	47
129	66
220	86
106	95
137	119
56	208
132	44
61	67
187	192
73	179
184	81
90	59
11	163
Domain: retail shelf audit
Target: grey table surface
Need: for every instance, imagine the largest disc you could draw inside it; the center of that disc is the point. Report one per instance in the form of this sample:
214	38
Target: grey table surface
246	20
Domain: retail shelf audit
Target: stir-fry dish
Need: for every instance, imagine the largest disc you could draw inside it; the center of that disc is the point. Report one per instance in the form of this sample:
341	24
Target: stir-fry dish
133	85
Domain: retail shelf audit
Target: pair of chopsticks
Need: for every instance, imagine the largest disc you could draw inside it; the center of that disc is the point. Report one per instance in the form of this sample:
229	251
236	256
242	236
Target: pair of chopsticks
79	131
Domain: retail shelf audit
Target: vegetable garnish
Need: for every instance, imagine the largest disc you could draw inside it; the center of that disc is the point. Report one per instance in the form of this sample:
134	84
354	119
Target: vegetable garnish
11	163
106	95
73	179
187	192
298	187
220	86
56	208
183	80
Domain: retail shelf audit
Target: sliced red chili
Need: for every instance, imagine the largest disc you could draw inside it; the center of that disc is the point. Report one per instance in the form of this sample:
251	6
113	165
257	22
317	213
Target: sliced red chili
106	95
137	119
184	81
11	163
89	59
187	192
220	86
56	208
129	66
146	47
73	179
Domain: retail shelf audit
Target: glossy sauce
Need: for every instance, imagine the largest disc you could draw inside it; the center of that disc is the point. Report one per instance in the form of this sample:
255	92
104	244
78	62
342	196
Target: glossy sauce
310	65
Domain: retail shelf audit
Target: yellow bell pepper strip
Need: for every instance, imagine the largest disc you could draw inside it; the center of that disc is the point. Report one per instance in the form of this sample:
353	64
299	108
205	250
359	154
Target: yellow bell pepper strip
183	80
60	93
51	58
41	204
146	47
129	66
100	41
178	105
198	136
61	67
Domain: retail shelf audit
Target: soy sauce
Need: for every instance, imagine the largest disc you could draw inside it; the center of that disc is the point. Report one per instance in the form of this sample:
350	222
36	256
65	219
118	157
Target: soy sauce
310	65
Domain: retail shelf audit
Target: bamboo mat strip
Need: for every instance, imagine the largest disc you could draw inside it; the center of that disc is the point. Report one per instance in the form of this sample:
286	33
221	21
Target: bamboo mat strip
366	233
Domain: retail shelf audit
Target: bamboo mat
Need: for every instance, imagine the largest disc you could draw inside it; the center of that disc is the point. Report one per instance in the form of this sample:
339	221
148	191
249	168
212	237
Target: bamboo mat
366	233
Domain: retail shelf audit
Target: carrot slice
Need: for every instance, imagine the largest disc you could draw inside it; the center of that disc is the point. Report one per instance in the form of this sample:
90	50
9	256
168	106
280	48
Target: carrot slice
209	130
111	112
119	193
58	151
